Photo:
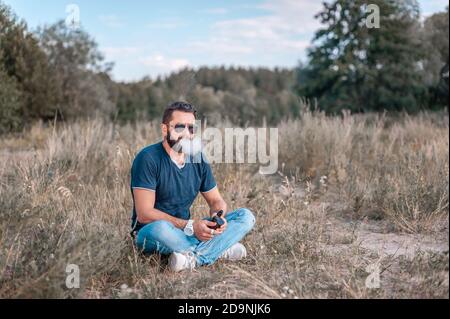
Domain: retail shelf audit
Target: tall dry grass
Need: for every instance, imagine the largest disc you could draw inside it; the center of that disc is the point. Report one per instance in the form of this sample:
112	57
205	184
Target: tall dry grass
394	168
65	199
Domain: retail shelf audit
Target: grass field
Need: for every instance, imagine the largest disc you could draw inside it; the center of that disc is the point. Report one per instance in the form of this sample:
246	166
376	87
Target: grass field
352	193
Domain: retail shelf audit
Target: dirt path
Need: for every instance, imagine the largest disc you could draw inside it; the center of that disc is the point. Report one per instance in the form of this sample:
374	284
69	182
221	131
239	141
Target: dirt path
370	234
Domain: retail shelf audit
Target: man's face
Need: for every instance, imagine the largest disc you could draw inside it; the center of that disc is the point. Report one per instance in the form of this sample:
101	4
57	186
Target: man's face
182	125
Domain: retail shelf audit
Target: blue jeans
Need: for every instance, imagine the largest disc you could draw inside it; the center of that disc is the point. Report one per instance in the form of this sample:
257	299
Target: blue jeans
163	237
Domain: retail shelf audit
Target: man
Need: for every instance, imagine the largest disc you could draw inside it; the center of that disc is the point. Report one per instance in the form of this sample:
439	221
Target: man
165	180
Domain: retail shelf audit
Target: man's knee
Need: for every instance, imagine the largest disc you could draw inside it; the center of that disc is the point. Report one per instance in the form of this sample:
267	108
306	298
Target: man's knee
247	217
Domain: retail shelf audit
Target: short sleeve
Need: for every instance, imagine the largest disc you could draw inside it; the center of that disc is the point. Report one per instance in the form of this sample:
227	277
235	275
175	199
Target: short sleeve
208	181
144	173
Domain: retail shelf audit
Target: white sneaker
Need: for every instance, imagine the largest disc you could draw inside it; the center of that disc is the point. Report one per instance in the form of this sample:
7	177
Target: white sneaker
182	261
235	252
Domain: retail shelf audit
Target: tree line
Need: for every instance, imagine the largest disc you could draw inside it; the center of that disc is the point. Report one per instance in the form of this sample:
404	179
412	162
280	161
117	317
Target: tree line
59	72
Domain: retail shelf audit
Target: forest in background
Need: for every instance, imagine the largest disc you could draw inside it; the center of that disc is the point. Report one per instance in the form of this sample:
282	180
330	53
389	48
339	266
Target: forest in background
59	72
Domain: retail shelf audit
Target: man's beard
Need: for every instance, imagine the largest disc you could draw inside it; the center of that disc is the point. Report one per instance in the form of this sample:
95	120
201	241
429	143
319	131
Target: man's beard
172	143
185	145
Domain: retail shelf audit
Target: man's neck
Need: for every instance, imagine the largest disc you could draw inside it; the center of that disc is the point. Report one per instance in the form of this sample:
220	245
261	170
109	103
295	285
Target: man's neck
177	157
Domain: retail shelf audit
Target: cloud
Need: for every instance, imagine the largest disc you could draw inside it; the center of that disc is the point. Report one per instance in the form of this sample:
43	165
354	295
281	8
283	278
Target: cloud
215	11
433	6
163	65
295	15
218	45
286	18
430	7
119	52
111	21
168	25
277	34
287	25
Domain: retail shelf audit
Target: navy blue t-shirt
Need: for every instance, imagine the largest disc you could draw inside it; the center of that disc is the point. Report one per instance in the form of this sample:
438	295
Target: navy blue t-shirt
176	188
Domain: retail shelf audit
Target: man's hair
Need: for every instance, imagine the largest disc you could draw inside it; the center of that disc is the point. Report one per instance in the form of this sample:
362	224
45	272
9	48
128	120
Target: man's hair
177	106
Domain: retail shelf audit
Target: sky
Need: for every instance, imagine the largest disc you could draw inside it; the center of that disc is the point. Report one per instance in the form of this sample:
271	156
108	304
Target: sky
151	38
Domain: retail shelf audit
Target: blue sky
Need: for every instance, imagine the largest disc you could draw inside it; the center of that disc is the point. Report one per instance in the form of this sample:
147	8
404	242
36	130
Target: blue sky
150	38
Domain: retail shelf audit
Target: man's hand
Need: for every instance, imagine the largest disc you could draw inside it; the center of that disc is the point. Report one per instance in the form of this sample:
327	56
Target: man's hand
202	231
222	228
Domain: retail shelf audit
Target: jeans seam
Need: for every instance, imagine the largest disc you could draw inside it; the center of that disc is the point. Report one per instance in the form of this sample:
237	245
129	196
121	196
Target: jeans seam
207	245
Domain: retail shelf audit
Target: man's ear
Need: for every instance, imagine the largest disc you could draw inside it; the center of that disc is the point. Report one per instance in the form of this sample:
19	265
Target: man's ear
164	129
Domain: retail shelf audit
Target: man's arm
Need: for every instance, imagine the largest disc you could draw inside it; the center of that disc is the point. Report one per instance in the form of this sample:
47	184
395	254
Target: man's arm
144	201
215	201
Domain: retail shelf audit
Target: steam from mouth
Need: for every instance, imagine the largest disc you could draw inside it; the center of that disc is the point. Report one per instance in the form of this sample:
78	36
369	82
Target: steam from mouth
188	146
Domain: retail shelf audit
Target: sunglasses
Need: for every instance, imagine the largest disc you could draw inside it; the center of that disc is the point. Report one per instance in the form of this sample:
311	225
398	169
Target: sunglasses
179	128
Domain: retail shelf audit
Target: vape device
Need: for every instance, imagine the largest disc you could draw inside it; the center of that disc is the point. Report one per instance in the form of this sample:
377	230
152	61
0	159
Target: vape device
218	220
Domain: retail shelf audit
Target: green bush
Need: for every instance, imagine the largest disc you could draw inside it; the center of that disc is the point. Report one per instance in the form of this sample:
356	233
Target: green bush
11	103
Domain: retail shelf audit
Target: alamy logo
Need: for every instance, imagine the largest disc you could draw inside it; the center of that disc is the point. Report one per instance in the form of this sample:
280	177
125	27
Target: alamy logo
235	145
373	280
73	277
373	17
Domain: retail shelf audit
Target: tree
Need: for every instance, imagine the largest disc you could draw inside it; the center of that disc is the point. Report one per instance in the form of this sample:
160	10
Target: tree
26	66
352	66
79	72
435	37
11	103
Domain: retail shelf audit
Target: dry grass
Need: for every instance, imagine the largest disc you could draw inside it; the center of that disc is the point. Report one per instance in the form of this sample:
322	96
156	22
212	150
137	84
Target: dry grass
65	198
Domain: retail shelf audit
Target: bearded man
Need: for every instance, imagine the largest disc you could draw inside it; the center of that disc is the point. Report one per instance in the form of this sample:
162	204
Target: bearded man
166	177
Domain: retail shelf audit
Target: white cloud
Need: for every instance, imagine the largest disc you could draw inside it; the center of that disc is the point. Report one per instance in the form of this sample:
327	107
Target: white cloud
218	45
119	52
163	65
277	35
169	24
111	21
288	25
430	7
295	15
215	11
286	18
